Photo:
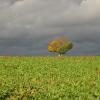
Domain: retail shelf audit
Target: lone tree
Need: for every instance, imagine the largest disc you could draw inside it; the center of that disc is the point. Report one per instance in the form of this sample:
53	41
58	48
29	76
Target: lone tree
60	46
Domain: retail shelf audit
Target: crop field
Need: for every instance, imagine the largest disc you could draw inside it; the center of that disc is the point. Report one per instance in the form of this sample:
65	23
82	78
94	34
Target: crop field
50	78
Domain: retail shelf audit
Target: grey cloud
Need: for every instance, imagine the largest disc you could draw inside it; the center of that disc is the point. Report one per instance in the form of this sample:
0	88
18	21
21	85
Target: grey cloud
28	25
7	3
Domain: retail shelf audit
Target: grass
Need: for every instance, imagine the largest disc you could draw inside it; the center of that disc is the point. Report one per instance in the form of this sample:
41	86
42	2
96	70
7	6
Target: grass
50	78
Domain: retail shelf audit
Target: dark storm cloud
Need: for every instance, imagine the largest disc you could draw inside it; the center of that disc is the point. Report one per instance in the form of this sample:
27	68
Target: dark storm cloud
27	26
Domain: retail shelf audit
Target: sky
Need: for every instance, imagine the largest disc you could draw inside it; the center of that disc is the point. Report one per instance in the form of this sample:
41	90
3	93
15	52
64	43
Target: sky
27	26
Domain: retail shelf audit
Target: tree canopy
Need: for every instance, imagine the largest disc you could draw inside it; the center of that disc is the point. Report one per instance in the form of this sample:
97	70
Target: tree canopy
60	45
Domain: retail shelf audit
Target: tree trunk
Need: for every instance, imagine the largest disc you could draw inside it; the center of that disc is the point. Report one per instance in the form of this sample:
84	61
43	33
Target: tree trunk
59	55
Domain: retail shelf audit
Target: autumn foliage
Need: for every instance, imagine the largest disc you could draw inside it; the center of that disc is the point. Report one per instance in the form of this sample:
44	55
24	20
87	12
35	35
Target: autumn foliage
60	45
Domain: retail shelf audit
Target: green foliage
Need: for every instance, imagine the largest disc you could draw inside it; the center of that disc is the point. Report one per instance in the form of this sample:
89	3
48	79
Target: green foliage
61	46
64	48
49	78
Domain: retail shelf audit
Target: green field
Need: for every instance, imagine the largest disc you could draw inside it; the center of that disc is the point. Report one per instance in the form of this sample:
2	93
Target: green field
50	78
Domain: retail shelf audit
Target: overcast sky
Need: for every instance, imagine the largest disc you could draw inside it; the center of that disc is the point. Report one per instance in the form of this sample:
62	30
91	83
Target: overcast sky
27	26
